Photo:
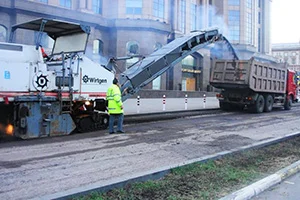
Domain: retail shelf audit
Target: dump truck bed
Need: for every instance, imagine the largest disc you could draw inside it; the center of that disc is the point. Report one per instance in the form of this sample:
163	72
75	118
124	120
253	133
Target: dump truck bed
249	74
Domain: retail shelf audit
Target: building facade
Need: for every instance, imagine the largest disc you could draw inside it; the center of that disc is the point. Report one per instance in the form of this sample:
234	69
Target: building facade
128	27
247	25
288	53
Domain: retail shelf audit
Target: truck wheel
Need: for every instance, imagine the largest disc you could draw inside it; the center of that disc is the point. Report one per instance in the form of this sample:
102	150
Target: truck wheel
288	103
259	104
268	103
85	124
105	122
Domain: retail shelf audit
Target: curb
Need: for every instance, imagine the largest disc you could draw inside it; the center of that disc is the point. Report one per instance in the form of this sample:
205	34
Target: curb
264	184
157	173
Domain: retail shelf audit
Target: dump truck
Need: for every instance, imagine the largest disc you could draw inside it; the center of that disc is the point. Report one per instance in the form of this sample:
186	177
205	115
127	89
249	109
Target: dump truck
253	84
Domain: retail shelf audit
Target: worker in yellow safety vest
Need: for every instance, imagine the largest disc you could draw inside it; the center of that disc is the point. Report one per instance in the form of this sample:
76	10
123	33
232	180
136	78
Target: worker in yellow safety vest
115	107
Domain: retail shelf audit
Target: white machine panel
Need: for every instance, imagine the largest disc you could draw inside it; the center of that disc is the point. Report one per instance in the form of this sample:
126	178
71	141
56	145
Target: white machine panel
95	78
14	76
17	63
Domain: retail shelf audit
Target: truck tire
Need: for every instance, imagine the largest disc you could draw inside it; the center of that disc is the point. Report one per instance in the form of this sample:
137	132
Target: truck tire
259	104
268	103
105	121
288	103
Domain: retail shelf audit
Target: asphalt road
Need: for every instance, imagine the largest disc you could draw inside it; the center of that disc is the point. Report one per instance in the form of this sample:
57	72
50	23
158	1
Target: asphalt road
41	167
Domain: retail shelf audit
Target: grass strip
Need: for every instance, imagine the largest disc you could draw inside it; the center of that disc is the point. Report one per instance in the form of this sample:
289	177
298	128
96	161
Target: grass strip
212	179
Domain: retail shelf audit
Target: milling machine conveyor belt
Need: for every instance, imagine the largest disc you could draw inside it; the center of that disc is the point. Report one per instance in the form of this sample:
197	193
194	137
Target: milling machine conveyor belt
154	65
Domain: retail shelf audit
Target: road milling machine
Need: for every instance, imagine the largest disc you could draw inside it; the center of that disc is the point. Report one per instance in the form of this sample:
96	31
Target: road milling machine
41	97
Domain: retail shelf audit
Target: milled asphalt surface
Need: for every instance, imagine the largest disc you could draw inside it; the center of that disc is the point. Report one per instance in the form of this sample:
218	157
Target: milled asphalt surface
47	170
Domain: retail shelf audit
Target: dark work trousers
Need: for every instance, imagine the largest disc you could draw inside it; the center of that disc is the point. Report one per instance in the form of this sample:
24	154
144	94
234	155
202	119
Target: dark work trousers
120	118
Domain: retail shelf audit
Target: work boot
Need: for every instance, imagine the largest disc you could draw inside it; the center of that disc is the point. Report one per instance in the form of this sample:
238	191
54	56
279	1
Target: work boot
121	131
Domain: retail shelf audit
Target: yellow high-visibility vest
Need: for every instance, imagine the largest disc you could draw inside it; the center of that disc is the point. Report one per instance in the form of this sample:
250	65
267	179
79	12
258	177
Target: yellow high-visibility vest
114	98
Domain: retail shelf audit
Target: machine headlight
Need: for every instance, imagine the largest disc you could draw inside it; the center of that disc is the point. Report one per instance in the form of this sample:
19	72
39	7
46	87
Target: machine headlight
87	103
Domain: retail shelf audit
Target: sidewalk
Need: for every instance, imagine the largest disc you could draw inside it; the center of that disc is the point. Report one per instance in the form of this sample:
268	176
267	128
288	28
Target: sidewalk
287	189
253	190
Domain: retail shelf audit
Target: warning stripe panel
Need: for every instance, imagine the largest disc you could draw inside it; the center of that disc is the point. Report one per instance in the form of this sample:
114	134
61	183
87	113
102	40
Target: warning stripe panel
10	95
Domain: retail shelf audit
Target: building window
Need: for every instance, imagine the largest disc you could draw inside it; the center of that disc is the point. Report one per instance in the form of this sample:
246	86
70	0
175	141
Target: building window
234	25
157	82
259	45
134	7
182	15
132	48
200	14
249	28
249	22
44	1
98	47
189	61
193	16
233	2
97	6
65	3
3	33
258	17
210	15
158	8
189	73
259	3
249	4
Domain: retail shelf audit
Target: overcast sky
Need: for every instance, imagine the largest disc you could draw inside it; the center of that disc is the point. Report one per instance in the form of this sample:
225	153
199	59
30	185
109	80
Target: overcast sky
285	26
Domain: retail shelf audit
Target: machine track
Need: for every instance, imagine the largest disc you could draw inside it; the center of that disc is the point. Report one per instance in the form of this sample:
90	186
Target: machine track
88	123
